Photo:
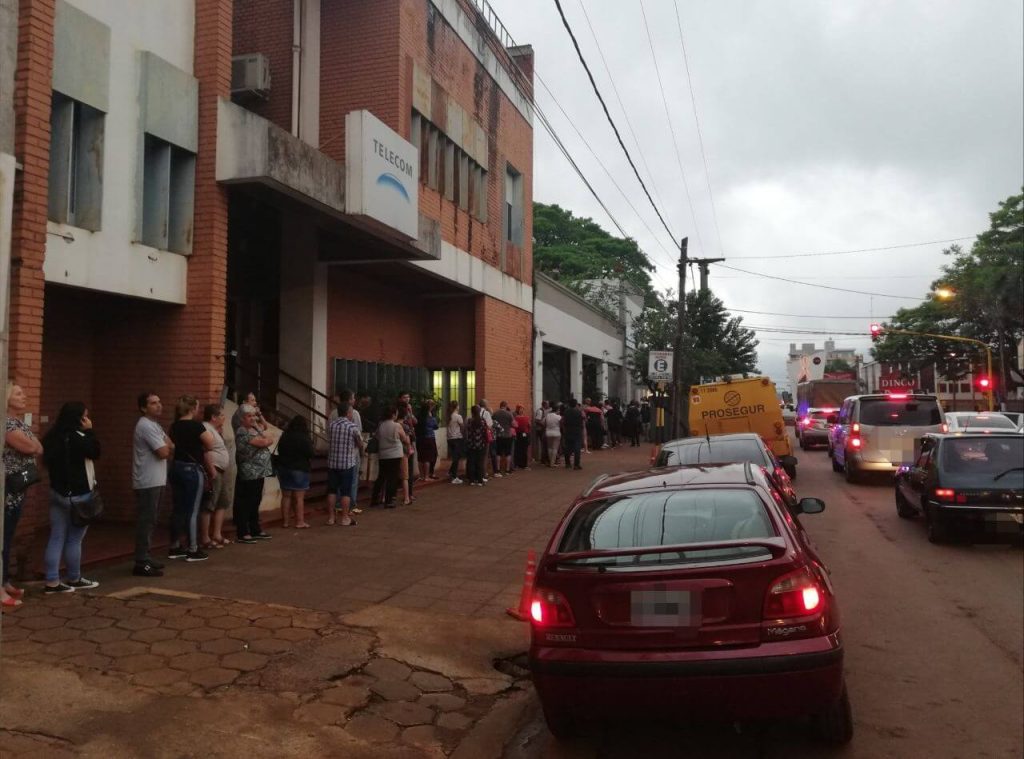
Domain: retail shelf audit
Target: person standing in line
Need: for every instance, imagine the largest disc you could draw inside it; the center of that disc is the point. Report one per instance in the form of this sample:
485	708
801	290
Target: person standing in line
345	442
613	415
522	445
217	498
491	453
631	424
456	441
20	451
540	450
151	447
572	428
191	470
392	444
645	418
476	447
504	433
552	436
258	421
69	450
408	466
253	456
295	454
426	441
347	396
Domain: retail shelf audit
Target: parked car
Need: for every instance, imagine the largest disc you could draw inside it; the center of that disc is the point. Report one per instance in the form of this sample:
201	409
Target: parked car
728	449
1016	417
975	421
789	415
876	433
686	593
968	485
813	429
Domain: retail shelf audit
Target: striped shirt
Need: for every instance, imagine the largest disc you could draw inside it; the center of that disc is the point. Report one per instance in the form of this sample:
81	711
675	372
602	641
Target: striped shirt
344	438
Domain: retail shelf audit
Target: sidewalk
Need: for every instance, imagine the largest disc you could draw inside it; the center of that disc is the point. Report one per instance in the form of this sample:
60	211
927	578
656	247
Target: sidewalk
374	640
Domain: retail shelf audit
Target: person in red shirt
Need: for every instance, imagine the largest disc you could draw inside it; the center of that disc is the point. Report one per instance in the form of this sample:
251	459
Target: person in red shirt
523	426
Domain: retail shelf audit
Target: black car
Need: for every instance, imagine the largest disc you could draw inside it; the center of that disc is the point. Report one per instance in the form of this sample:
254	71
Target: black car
730	449
967	485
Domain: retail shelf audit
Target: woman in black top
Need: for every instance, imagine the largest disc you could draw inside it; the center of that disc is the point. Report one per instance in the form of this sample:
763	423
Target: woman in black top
190	471
294	455
69	449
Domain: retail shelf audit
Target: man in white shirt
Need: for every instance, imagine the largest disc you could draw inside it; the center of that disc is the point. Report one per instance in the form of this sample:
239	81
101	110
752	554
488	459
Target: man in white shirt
150	450
540	452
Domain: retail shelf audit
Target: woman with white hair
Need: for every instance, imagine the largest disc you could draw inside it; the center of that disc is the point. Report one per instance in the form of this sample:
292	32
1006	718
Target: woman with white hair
252	452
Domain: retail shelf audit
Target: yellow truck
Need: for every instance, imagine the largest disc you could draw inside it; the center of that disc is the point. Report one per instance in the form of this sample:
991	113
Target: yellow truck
742	405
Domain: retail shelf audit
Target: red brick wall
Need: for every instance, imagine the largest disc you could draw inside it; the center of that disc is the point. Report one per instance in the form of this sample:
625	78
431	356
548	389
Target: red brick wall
504	336
266	26
449	332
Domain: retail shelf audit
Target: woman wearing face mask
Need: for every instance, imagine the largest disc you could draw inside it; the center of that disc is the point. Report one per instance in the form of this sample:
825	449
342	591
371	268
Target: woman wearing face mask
69	449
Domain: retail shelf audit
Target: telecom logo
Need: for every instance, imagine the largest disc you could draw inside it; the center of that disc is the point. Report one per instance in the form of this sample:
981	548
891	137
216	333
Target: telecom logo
393	182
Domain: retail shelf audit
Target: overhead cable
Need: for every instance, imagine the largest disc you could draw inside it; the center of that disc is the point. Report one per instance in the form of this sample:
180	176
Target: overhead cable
815	284
847	252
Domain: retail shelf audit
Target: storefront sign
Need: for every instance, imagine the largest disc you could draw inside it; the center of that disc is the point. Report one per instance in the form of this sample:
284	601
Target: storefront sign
895	383
381	174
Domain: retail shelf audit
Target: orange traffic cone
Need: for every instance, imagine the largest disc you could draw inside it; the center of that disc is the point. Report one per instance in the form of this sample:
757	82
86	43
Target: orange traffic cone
523	612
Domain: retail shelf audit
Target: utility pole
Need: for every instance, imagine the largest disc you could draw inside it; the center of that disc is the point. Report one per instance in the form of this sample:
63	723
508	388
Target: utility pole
703	264
678	390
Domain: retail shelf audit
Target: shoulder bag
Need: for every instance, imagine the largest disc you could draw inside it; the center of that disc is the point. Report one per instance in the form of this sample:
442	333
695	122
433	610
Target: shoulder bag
20	481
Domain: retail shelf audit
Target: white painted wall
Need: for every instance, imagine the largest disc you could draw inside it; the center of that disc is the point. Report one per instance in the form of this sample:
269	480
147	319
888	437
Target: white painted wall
108	260
469	271
565	331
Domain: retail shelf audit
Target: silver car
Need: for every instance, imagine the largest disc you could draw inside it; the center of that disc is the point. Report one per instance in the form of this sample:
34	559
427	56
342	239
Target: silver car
876	433
978	421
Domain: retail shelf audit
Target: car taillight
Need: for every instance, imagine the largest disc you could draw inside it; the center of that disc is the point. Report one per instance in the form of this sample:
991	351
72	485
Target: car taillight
806	422
550	608
855	427
794	607
949	495
945	427
855	442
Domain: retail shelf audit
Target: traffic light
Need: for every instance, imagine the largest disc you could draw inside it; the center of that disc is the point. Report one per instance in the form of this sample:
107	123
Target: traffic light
984	383
876	332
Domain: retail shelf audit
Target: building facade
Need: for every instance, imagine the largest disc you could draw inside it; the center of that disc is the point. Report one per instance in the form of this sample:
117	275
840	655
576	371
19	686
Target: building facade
279	195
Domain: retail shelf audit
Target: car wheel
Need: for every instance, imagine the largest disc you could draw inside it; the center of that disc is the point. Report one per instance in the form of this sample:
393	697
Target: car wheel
850	471
937	532
560	725
835	726
903	507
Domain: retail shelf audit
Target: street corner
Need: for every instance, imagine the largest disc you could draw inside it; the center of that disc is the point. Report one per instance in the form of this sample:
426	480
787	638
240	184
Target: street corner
126	672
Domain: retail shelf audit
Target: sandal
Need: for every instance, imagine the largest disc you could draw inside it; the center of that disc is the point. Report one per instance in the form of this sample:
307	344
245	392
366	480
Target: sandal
222	541
11	602
351	523
303	526
14	592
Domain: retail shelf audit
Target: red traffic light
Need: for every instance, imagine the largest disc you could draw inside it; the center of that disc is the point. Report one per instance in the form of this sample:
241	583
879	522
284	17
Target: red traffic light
876	329
984	383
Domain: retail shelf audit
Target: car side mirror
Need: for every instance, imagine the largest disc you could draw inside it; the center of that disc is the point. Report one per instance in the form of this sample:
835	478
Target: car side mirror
811	505
832	419
789	465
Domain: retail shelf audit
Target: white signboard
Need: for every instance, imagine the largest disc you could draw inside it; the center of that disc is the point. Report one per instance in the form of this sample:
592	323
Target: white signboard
381	174
659	366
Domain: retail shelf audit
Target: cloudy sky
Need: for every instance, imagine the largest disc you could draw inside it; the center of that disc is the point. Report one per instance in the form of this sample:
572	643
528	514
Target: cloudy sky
827	126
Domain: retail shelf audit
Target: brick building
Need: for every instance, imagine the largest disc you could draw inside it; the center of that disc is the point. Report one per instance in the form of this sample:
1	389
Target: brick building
200	206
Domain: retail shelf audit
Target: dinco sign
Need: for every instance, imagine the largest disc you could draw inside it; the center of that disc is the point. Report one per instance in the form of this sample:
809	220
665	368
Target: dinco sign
895	382
381	174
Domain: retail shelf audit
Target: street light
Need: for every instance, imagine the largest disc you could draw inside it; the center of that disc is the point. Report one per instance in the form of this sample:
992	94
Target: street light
944	293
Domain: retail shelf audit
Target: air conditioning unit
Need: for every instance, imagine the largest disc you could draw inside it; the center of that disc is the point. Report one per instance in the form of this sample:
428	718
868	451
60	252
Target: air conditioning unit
250	74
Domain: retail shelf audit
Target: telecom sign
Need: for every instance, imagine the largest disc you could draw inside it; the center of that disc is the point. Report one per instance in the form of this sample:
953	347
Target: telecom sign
659	366
381	174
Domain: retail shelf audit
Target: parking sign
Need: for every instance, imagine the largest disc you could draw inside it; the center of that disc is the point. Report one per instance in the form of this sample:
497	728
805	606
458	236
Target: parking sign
659	366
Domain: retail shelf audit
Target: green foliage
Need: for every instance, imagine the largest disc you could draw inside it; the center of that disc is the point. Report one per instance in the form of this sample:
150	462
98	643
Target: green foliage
839	365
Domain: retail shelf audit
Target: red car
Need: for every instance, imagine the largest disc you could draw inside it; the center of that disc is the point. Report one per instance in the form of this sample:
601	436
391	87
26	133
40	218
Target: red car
686	593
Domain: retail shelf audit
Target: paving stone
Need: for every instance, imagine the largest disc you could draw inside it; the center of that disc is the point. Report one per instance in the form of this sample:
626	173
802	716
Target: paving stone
123	648
244	661
184	623
484	686
137	663
295	634
454	721
395	690
250	633
369	727
54	634
154	635
206	612
172	647
404	713
321	714
421	735
48	622
387	669
91	661
16	648
221	646
350	696
167	611
192	662
120	611
201	634
270	646
311	620
65	647
225	622
28	611
158	678
107	634
138	623
274	623
428	682
90	623
73	612
443	702
213	677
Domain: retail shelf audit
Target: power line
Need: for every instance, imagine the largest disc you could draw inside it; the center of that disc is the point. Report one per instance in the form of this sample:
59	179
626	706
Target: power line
671	127
847	252
590	76
804	316
815	284
700	134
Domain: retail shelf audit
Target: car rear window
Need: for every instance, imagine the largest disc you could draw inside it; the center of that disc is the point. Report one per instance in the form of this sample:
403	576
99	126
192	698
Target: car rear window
719	452
983	455
819	414
989	421
879	412
663	518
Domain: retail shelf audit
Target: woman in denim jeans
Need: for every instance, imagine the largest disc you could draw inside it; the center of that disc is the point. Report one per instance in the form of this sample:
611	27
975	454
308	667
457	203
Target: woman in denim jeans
191	470
67	448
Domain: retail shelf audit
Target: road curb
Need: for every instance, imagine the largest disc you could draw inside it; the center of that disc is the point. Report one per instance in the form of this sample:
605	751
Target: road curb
488	738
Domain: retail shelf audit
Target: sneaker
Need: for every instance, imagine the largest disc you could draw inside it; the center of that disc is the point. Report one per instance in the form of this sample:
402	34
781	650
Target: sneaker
262	536
355	510
156	564
177	553
245	541
196	555
58	588
498	474
477	484
456	481
83	583
147	570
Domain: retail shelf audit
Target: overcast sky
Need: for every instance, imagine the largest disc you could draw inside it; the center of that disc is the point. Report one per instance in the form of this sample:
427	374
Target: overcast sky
826	125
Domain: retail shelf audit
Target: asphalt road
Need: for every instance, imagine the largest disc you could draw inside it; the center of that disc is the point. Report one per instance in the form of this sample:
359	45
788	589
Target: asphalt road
934	640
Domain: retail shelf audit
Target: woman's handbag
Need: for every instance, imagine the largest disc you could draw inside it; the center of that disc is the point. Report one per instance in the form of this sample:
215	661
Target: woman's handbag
373	445
85	509
20	481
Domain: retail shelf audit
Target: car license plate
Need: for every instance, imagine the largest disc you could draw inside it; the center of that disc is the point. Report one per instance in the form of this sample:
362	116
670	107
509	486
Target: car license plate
662	608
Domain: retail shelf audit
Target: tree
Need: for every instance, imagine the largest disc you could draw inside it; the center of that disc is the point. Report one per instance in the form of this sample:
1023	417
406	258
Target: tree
838	365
